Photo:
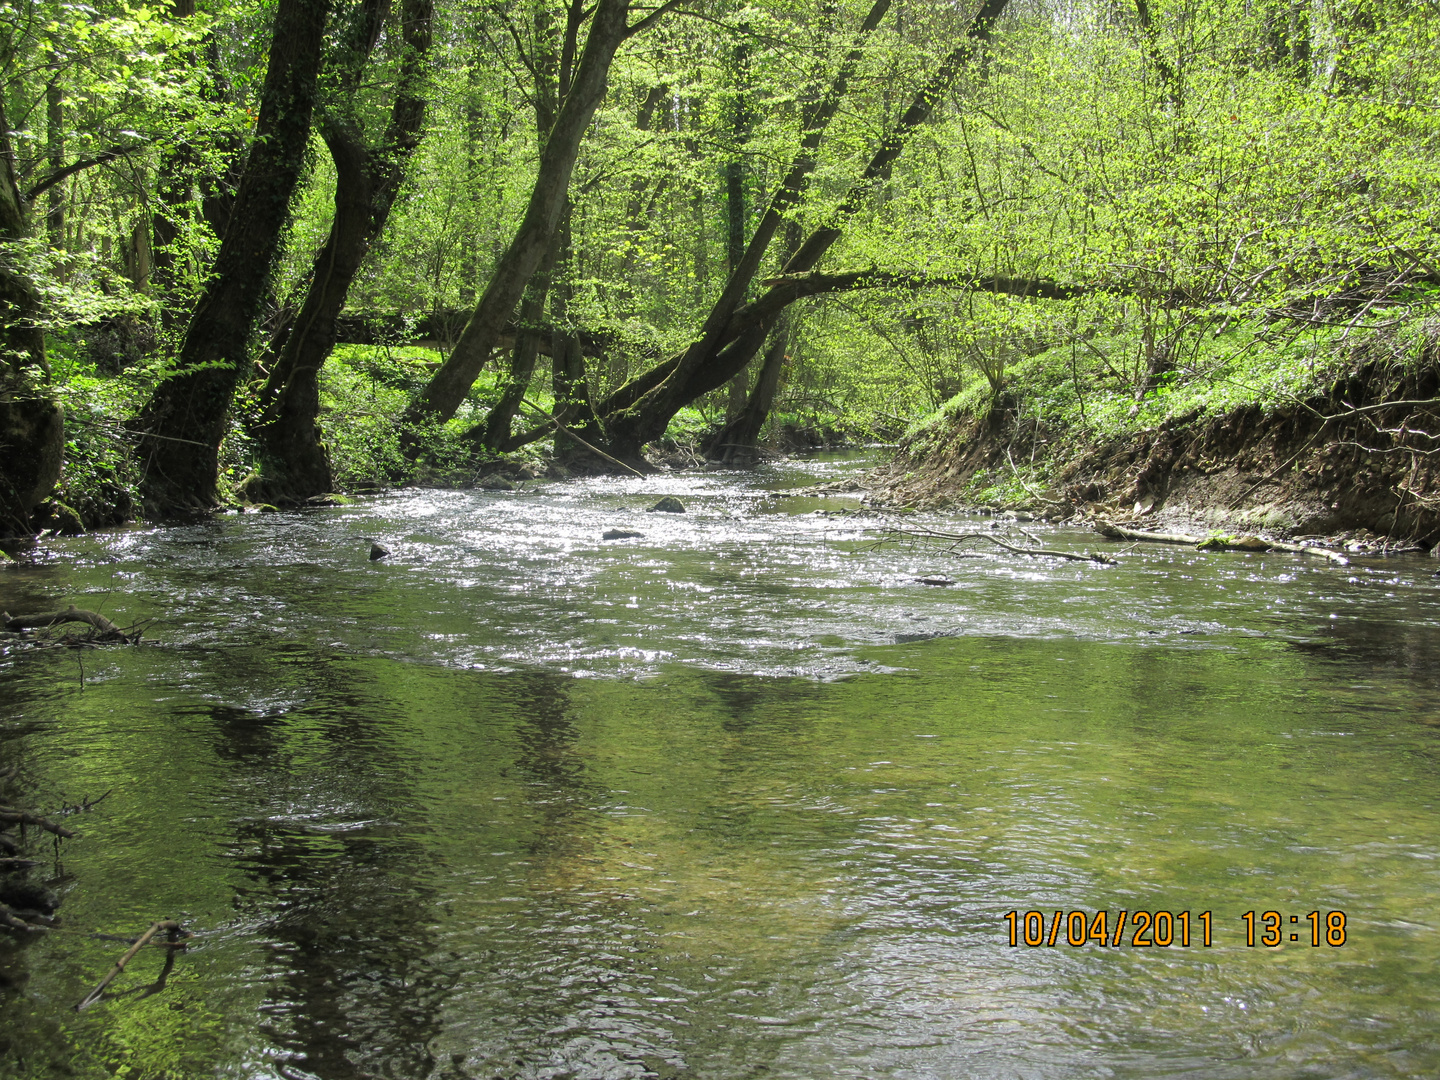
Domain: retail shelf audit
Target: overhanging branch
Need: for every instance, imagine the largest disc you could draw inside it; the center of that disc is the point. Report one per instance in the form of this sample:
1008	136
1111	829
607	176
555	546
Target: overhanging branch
114	153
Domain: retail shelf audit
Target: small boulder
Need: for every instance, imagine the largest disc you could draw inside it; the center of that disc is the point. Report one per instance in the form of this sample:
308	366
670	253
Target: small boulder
496	483
378	552
668	505
620	534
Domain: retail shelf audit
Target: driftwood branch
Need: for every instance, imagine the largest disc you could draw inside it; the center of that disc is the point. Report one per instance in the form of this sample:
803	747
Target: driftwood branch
173	930
954	541
54	618
10	816
17	920
1111	531
102	628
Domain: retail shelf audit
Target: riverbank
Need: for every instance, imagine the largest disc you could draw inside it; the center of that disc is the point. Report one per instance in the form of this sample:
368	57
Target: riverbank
1351	456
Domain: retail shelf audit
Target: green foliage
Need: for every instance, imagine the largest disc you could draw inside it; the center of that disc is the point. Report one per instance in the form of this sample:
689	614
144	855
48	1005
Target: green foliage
1236	192
364	391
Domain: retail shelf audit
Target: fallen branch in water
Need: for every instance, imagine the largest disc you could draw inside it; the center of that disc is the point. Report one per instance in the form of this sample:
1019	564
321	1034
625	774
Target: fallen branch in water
173	930
1111	531
10	816
103	630
955	540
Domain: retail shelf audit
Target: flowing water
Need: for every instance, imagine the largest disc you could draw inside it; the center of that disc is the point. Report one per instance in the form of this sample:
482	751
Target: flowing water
736	798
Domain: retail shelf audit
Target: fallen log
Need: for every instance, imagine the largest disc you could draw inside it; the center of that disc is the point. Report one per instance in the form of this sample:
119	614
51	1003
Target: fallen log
101	629
1111	531
956	540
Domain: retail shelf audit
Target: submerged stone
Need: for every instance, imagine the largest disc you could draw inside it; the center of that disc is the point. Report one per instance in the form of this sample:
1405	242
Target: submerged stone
668	505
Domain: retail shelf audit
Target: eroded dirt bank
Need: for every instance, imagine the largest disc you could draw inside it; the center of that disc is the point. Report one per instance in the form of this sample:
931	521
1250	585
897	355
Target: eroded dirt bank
1361	463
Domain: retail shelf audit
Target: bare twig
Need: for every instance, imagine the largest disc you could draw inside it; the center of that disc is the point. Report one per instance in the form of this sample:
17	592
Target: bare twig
955	540
10	816
174	930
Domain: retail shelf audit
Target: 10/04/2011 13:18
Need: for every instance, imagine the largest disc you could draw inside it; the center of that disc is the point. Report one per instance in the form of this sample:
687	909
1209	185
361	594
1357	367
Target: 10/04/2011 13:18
1163	929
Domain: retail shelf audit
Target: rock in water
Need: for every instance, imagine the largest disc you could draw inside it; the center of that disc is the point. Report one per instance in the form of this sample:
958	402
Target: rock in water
668	505
496	483
620	534
378	552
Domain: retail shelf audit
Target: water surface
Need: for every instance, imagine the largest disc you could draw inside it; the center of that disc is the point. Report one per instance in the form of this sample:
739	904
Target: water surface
738	798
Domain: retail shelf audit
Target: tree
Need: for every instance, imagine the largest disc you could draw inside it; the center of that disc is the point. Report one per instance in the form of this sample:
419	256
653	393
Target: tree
609	27
182	425
734	331
292	459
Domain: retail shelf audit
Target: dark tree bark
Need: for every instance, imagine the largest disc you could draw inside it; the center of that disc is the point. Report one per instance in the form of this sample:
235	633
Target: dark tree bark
32	427
183	423
447	389
293	463
733	333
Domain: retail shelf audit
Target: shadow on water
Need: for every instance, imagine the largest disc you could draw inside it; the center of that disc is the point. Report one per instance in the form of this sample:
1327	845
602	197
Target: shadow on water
336	889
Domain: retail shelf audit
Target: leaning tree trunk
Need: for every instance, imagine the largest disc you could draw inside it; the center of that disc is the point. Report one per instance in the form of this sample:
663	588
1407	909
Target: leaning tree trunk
630	415
494	433
640	411
293	463
181	426
448	387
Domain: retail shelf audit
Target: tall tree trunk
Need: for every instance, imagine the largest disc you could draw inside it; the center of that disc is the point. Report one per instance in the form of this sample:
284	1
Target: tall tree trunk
640	411
293	463
627	415
568	382
550	83
183	423
447	389
740	122
32	424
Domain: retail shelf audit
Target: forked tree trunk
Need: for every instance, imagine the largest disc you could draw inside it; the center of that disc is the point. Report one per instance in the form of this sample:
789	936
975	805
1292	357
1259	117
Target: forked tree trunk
182	425
294	465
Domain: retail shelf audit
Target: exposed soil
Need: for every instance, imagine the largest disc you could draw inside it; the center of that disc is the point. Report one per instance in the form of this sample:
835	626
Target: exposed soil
1357	464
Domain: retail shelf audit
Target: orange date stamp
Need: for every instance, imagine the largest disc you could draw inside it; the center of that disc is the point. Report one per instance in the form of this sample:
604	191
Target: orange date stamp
1167	929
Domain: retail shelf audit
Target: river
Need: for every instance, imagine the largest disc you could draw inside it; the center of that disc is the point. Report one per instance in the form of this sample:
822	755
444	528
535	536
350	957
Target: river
736	798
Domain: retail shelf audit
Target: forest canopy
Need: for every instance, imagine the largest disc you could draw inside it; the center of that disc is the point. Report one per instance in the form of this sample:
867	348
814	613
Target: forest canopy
291	247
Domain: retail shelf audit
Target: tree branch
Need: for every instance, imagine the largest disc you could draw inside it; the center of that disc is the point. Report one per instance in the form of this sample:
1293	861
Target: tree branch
114	153
654	17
